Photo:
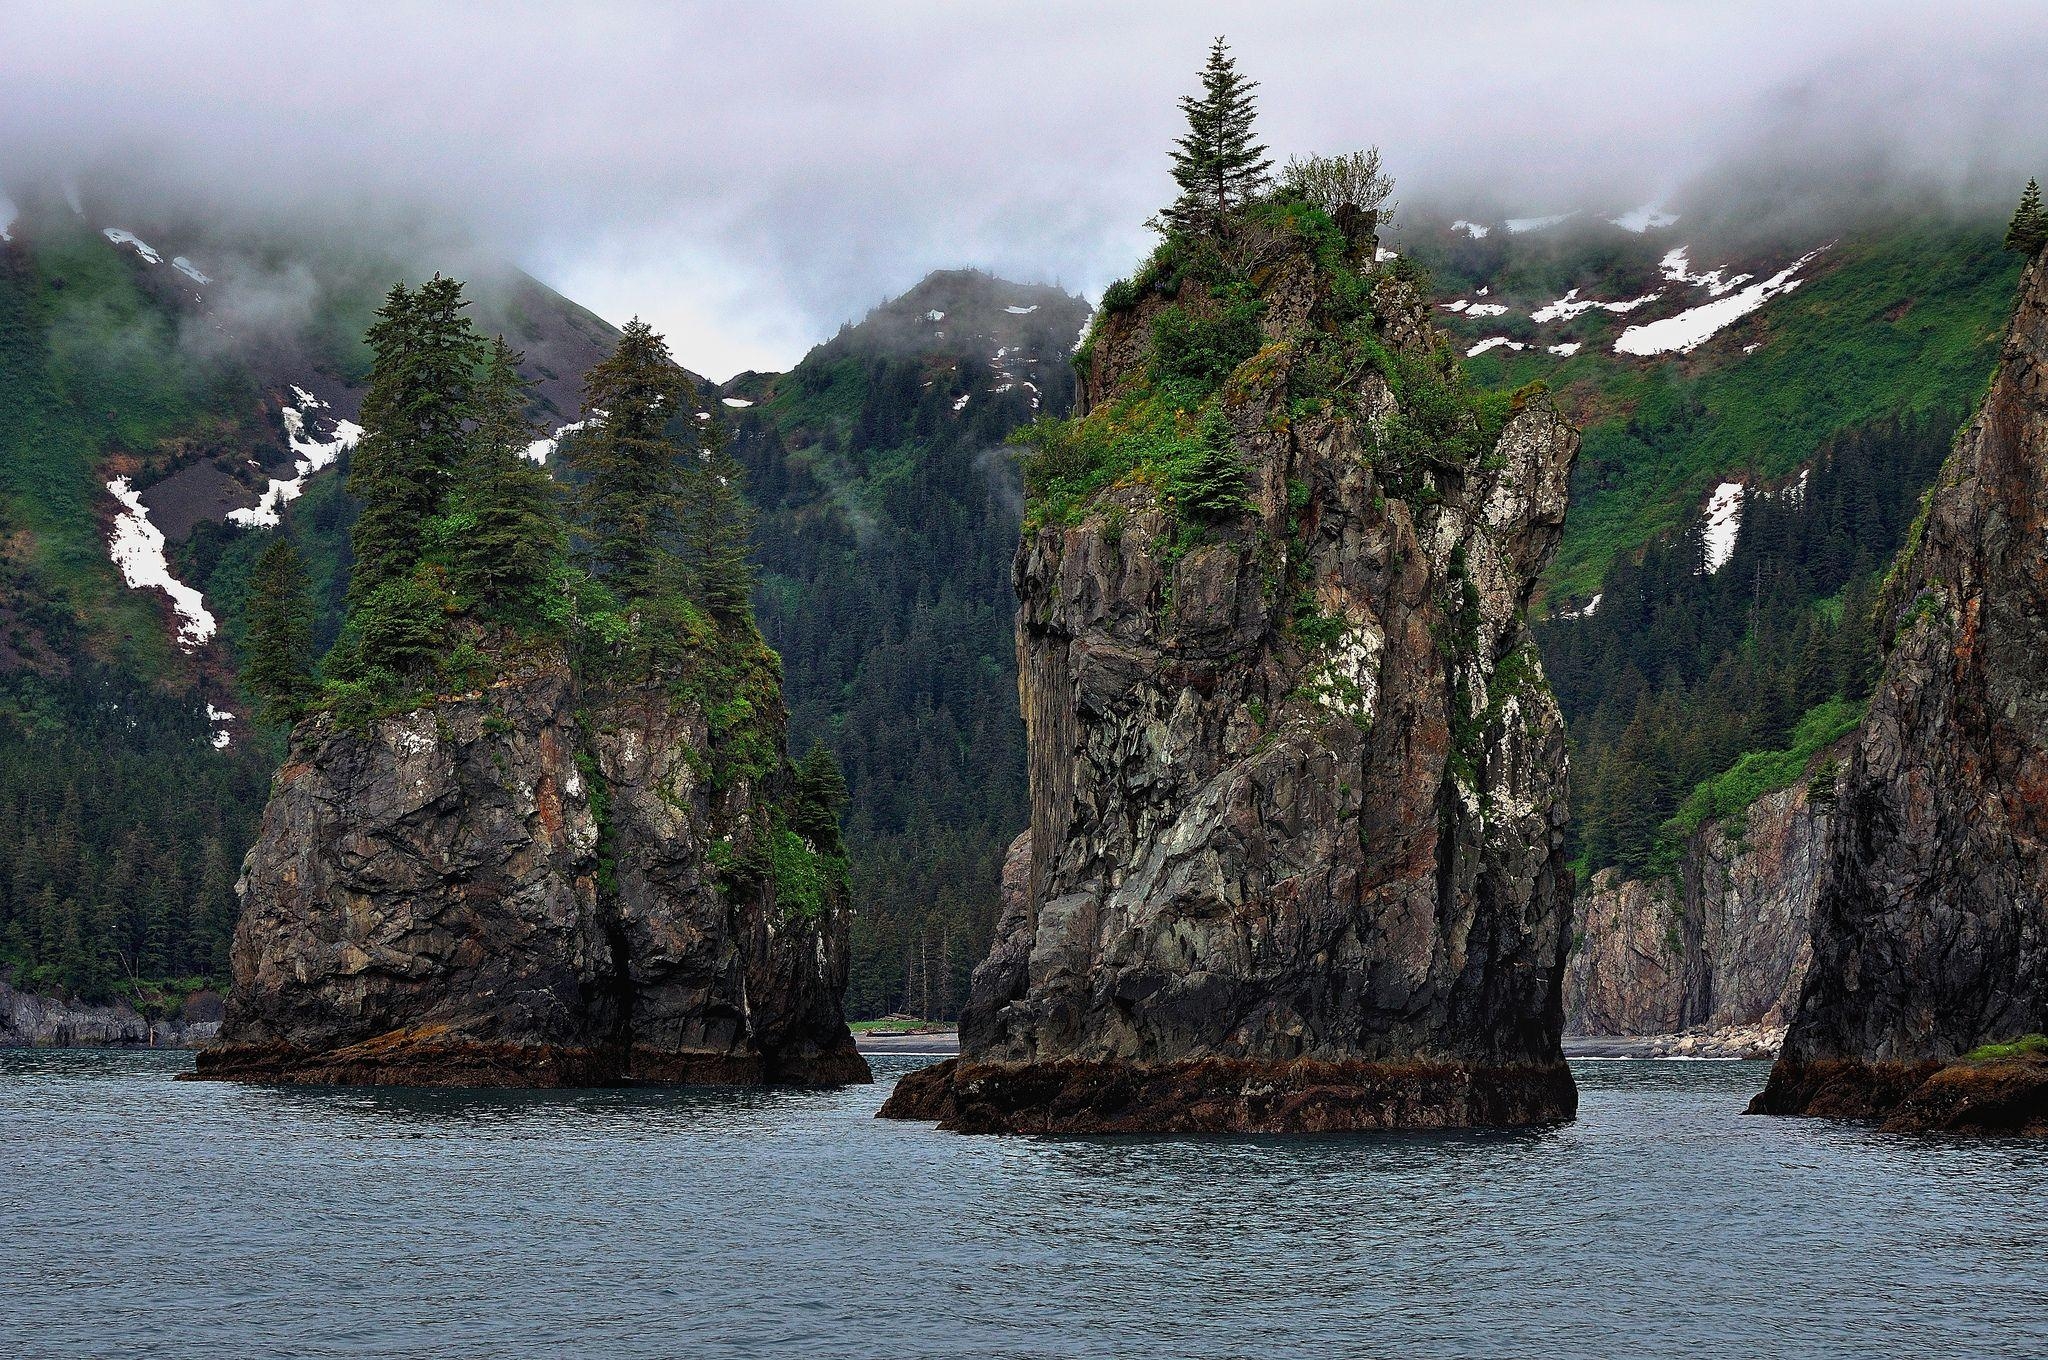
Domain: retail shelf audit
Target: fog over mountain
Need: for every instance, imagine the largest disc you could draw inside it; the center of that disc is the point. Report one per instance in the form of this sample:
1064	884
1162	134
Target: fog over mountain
750	176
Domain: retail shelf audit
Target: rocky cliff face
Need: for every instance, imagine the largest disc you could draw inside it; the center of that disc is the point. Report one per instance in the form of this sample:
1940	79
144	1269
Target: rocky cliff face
28	1020
1722	943
1930	929
532	885
1297	780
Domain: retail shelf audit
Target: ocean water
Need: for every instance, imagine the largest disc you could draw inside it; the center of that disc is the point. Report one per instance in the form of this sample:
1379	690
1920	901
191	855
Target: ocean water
143	1217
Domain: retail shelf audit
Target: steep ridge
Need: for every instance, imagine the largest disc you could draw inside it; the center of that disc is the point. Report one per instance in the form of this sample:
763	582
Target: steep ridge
1296	777
1928	929
536	885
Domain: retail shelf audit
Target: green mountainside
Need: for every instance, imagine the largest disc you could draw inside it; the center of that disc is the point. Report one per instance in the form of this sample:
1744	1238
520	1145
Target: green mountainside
1737	499
1788	449
889	512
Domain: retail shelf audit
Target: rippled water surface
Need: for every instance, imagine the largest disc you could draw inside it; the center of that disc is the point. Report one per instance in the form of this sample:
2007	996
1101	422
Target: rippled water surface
144	1217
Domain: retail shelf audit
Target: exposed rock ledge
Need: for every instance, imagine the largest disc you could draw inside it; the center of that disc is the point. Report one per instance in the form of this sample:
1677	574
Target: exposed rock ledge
2006	1096
1221	1095
28	1020
1727	1041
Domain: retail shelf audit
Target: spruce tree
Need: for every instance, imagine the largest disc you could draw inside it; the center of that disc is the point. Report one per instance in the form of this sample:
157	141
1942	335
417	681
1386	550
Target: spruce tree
1217	165
629	463
2029	229
278	647
820	794
507	534
415	419
719	529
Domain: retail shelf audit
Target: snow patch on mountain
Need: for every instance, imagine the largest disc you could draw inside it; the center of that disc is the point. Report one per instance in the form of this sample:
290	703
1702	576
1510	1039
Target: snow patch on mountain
137	549
313	455
1472	229
540	450
220	718
1518	225
1584	611
8	212
1649	217
1571	305
1724	523
1689	330
1569	348
1678	269
737	403
188	269
1022	311
1493	342
120	236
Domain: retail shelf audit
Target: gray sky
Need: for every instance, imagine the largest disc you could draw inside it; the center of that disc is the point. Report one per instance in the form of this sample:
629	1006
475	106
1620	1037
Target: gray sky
748	176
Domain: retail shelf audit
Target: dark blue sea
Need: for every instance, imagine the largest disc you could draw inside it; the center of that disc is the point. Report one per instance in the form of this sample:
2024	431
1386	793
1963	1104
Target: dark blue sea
143	1217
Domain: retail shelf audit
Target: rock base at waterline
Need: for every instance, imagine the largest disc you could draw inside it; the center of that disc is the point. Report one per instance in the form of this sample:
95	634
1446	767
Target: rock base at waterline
1995	1097
409	1058
1218	1095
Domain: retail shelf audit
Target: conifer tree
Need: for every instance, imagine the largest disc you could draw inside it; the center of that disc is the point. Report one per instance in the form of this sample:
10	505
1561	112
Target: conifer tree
719	530
629	463
278	667
507	534
1217	165
2029	229
415	420
820	794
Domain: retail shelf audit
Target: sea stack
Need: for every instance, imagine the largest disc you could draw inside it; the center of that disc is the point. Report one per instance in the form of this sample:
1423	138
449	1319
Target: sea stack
1297	780
540	884
1930	927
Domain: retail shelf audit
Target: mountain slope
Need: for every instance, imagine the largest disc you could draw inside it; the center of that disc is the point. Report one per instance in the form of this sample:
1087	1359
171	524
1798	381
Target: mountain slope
889	508
203	371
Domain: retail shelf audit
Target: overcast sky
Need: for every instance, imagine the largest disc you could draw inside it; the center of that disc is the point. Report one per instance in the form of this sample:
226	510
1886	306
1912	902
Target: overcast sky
747	176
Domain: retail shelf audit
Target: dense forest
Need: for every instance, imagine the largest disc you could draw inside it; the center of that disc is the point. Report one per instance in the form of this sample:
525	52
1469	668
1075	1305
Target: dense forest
1680	673
889	509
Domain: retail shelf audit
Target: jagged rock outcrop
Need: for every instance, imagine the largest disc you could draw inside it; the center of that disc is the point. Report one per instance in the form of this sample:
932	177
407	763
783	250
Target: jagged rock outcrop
533	885
1930	929
1720	944
31	1020
1297	779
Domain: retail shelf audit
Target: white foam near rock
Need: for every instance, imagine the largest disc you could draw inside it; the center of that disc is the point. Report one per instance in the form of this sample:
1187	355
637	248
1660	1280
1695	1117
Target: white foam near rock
313	455
1649	217
121	237
137	548
1724	524
1689	330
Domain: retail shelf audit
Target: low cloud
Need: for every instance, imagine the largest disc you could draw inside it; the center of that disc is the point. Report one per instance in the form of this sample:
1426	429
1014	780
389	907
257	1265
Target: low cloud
748	177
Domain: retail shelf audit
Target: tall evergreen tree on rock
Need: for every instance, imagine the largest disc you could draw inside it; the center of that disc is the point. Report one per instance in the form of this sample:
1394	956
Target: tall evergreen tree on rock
415	418
2029	229
630	463
507	534
1217	165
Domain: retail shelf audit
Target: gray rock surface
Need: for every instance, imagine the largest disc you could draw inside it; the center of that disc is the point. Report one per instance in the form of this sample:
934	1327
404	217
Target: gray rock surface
30	1020
1930	928
523	886
1723	942
1304	858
